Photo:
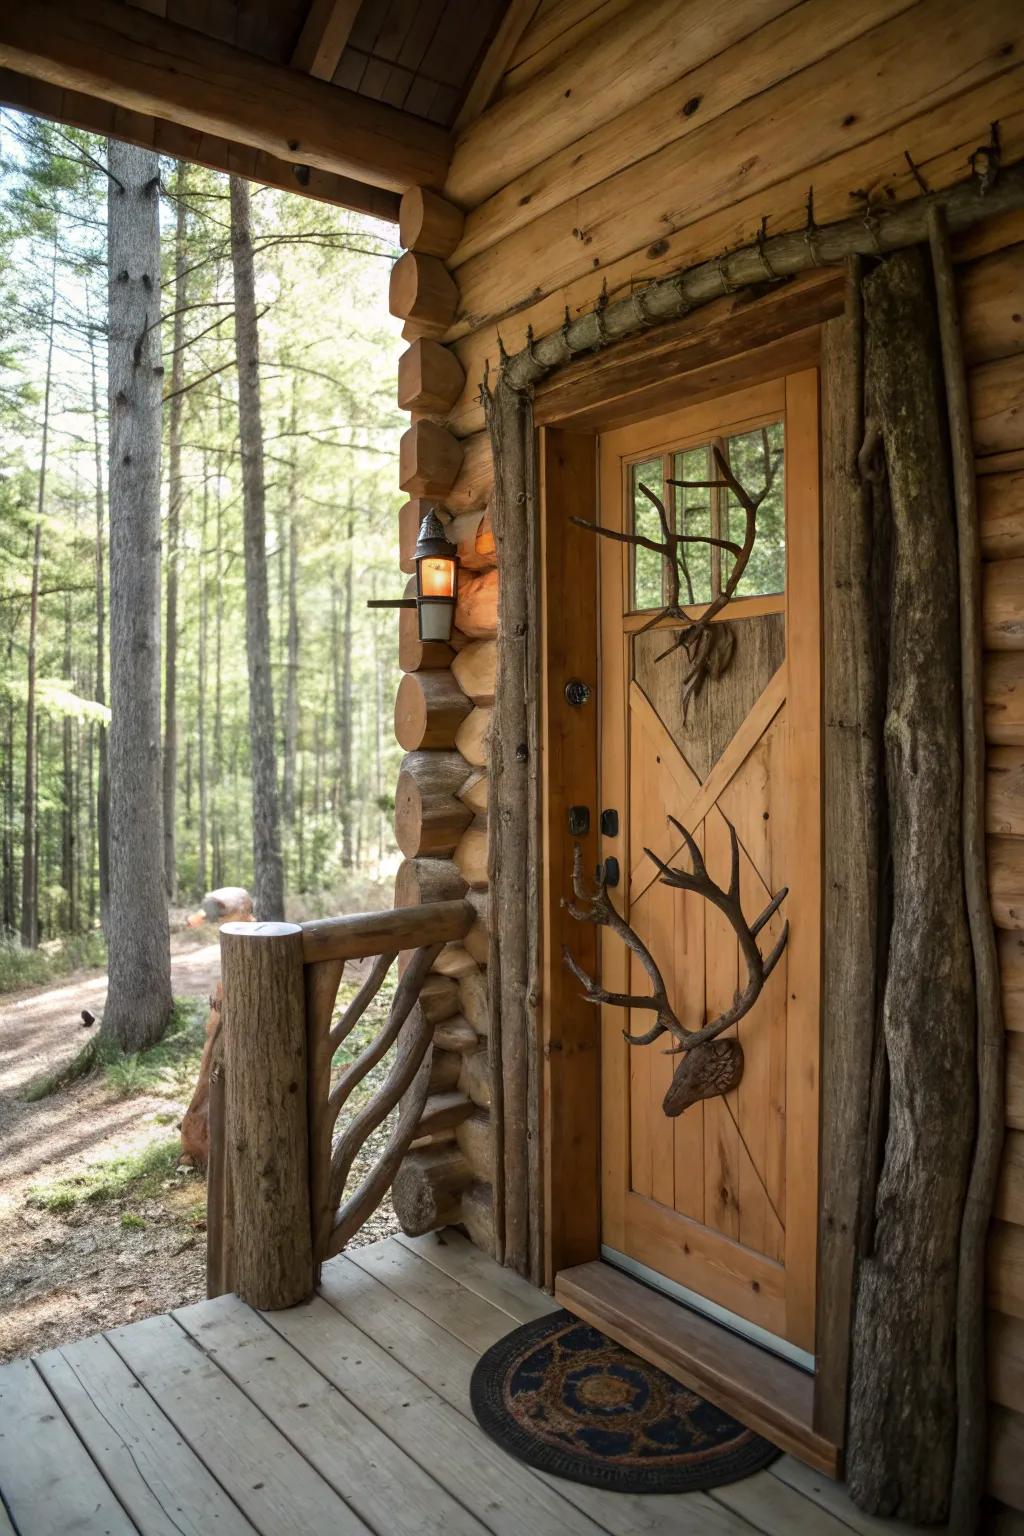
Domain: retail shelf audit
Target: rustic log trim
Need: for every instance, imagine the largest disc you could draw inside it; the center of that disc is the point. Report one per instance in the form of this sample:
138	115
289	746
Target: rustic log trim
972	1406
902	1390
853	593
874	232
570	1027
513	777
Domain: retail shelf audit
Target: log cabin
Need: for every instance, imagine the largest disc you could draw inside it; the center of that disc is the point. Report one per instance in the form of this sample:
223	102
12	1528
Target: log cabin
714	377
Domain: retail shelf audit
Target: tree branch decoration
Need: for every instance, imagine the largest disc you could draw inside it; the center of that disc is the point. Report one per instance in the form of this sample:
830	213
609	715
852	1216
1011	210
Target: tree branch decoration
710	1065
708	646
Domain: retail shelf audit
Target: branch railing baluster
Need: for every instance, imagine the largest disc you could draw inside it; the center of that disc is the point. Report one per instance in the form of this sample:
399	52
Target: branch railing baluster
279	1201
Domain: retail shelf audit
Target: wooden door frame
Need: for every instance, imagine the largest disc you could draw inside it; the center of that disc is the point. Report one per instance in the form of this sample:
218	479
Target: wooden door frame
570	421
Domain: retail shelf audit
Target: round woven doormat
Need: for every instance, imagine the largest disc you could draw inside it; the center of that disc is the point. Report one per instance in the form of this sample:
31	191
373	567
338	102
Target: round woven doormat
564	1398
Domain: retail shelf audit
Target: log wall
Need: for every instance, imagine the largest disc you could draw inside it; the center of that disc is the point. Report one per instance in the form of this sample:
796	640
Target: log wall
624	142
991	292
442	719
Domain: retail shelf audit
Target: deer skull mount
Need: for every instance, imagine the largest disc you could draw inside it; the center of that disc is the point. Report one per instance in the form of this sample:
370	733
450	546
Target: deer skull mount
710	1065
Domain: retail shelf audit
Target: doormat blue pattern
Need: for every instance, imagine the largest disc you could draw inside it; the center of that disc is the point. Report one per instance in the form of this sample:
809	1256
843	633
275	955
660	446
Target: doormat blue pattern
561	1396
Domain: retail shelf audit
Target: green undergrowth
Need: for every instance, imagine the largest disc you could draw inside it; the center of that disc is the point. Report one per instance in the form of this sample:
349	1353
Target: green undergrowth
168	1068
171	1066
137	1176
20	968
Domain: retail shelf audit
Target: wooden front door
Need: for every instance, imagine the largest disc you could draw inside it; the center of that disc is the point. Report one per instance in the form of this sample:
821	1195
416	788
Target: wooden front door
722	1200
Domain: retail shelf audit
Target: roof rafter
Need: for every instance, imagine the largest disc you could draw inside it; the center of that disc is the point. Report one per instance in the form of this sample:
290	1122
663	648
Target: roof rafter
325	31
502	46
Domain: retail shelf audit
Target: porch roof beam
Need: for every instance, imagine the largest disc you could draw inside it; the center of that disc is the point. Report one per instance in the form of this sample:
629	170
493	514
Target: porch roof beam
147	64
42	99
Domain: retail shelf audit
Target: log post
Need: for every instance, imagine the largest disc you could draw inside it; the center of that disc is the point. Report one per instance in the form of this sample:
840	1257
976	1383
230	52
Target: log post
903	1389
267	1131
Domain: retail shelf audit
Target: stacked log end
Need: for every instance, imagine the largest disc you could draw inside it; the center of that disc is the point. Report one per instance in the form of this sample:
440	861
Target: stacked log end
442	719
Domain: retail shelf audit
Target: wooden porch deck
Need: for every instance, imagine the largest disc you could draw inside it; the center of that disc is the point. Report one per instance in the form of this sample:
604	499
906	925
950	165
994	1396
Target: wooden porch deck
346	1416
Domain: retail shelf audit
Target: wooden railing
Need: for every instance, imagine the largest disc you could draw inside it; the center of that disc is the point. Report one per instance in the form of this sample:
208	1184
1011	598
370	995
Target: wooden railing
279	1200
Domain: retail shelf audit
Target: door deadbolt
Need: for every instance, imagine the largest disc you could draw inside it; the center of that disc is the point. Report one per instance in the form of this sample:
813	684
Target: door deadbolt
577	692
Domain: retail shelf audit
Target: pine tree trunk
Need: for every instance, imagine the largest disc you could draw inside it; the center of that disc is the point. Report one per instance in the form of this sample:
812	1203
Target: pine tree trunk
291	702
378	738
204	812
100	691
268	874
218	732
10	914
90	820
139	996
345	732
67	809
175	498
29	854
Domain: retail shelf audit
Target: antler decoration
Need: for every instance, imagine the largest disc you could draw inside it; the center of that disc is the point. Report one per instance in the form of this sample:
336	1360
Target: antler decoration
708	647
710	1065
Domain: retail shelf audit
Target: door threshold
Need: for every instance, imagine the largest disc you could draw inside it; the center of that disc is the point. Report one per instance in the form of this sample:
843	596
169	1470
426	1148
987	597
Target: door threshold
766	1393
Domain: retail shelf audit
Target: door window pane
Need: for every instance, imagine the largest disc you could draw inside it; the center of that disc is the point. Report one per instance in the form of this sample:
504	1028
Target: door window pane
756	458
647	587
693	517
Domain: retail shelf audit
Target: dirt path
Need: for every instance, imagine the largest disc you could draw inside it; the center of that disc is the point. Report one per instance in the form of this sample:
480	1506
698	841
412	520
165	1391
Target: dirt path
66	1274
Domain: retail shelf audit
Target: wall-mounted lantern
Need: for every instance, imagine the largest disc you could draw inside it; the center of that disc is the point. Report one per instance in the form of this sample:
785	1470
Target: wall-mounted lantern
437	582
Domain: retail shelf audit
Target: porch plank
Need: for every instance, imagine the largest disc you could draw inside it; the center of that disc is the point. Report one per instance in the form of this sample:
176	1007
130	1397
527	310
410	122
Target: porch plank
834	1498
164	1487
456	1256
50	1485
507	1495
274	1486
775	1509
443	1354
478	1323
335	1436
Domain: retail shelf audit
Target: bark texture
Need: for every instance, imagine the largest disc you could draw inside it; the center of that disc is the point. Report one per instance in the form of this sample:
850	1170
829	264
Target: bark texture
855	590
139	996
175	498
903	1391
264	1025
513	777
268	871
886	229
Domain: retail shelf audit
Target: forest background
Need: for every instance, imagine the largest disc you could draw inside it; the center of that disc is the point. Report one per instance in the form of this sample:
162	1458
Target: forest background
328	358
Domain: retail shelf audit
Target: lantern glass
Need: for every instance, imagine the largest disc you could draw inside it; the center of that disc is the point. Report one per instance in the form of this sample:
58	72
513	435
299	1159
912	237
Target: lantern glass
436	577
435	619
